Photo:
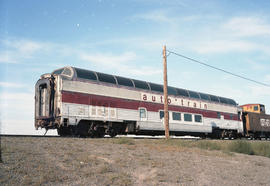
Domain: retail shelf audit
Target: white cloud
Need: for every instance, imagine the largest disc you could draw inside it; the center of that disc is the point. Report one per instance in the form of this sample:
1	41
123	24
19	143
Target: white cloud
15	51
12	96
122	63
29	47
231	36
219	36
149	44
164	3
156	16
217	45
257	65
247	26
11	85
108	59
267	78
259	94
17	114
259	91
224	46
141	71
19	50
19	104
6	58
24	46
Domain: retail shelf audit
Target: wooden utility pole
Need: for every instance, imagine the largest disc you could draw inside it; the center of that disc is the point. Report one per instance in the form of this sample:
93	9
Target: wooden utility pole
165	90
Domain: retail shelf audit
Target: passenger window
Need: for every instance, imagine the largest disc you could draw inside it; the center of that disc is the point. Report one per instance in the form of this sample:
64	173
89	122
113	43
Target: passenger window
176	116
231	102
223	100
193	94
67	72
106	78
198	118
172	91
86	74
58	71
182	92
161	114
188	117
142	113
256	108
156	87
141	84
124	82
214	98
218	115
204	96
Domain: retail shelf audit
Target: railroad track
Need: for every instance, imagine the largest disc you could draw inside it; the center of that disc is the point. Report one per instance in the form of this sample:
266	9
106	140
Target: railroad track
29	136
106	136
122	136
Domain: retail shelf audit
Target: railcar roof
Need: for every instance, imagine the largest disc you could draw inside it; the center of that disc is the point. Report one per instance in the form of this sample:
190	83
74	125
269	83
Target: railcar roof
138	84
252	104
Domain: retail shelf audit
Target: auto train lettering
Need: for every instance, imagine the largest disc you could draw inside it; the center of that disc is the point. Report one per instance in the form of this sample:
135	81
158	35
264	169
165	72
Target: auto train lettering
173	101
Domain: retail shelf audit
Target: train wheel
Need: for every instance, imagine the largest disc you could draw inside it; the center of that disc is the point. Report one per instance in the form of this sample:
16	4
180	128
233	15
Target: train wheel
232	135
203	136
83	128
100	132
223	134
112	133
74	131
64	131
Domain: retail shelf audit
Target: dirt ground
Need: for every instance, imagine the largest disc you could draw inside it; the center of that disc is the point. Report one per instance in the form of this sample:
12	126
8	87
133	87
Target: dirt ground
122	161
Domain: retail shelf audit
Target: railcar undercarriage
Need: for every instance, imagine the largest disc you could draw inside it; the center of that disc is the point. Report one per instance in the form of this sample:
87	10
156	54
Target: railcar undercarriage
97	129
219	133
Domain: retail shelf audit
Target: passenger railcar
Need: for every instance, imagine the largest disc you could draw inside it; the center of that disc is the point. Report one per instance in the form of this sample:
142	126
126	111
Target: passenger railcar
82	102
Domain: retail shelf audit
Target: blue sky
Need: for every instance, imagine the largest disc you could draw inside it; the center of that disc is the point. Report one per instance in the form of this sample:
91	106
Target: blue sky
126	38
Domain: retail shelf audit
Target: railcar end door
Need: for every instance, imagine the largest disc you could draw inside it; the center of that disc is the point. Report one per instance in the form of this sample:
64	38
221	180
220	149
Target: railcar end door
43	99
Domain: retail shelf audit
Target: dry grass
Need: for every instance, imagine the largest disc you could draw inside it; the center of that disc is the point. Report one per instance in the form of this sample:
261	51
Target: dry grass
260	148
125	161
122	140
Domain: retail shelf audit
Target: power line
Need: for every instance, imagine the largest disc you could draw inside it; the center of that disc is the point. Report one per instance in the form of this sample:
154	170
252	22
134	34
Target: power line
216	68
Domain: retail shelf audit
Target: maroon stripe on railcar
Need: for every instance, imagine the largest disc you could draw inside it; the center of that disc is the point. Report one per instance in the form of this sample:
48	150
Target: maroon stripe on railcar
97	100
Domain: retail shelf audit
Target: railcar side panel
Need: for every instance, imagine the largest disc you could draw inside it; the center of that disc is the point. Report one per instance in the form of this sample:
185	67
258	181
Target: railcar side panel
127	94
174	127
257	122
127	103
